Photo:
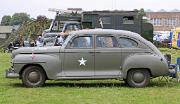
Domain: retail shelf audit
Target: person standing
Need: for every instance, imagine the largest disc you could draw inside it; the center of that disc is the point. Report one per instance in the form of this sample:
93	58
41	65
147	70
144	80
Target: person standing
60	40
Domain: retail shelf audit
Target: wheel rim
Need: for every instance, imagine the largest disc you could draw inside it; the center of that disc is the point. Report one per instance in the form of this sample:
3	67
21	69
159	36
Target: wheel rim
138	77
33	77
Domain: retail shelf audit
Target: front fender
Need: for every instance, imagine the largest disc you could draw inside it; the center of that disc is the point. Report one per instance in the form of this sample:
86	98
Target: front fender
155	64
50	62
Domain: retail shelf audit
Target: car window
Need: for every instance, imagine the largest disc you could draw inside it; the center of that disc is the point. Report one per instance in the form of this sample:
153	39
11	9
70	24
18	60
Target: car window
72	27
49	42
127	43
106	42
50	35
82	42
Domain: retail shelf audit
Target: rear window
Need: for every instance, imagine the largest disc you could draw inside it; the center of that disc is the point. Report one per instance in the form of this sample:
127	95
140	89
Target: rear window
127	43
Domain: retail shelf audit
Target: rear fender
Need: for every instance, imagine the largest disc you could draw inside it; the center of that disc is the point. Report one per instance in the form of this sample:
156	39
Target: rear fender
155	64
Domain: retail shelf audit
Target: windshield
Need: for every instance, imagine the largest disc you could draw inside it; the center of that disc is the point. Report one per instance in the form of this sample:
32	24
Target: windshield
50	35
49	42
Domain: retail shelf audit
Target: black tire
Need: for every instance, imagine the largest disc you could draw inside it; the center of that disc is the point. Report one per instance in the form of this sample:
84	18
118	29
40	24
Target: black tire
33	76
138	78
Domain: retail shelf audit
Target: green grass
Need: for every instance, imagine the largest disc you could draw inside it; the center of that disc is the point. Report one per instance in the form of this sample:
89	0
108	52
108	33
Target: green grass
87	92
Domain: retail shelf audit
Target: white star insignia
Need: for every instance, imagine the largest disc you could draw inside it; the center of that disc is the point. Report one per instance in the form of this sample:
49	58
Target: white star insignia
82	61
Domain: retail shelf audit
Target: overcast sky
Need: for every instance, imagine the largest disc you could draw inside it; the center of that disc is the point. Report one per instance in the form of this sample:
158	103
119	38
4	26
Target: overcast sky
40	7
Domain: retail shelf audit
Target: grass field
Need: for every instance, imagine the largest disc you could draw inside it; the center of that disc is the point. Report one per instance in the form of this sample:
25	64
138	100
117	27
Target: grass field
88	92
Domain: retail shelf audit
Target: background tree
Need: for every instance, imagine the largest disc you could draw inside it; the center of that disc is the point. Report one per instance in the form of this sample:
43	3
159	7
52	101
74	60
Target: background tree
141	12
6	20
34	27
19	18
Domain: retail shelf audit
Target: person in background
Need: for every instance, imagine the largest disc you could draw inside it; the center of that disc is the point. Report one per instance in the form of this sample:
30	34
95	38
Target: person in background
60	40
39	41
10	47
32	43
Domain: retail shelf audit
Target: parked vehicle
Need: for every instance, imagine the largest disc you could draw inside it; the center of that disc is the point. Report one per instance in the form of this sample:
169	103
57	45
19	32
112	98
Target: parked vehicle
26	44
52	39
91	54
49	35
50	42
119	20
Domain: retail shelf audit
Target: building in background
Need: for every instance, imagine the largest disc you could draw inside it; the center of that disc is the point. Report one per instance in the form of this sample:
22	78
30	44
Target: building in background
5	32
164	21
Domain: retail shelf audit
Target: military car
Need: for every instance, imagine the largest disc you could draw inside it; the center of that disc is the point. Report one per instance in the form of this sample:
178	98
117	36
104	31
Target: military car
91	54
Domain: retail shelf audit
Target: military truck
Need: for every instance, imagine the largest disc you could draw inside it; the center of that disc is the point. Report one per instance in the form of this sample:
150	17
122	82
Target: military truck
64	23
119	20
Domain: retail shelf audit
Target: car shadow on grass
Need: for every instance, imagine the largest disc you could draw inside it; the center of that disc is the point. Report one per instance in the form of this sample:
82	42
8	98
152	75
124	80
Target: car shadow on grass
99	84
164	83
85	85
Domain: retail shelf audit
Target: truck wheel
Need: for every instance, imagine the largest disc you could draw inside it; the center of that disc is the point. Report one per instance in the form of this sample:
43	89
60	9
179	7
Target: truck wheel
138	78
33	76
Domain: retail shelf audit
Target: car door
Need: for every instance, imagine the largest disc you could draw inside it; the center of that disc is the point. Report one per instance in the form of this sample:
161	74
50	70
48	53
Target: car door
107	56
79	57
130	46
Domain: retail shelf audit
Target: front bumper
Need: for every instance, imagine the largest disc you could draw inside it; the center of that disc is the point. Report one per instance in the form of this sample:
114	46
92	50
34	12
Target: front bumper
10	73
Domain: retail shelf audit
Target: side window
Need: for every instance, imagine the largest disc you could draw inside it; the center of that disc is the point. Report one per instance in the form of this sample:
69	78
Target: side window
61	26
106	42
81	42
69	28
127	43
105	20
128	20
72	27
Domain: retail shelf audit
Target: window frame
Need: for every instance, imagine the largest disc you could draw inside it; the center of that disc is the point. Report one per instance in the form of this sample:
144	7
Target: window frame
129	38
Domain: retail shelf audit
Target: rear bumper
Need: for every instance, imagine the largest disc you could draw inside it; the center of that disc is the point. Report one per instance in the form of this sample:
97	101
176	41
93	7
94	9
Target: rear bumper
10	73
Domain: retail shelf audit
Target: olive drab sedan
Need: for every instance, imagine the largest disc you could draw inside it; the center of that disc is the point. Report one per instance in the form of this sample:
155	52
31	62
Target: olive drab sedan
91	54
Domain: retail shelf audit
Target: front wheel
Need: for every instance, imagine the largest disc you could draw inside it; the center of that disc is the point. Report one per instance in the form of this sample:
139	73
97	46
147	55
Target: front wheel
33	76
138	78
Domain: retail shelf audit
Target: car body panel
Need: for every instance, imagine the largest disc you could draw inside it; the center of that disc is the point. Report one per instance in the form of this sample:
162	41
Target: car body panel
72	66
108	62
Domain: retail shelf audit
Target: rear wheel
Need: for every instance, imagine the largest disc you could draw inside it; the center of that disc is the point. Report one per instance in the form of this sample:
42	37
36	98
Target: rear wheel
138	78
33	76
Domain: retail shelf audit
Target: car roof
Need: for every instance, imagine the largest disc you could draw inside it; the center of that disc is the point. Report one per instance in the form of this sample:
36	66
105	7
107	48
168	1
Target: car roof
106	32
